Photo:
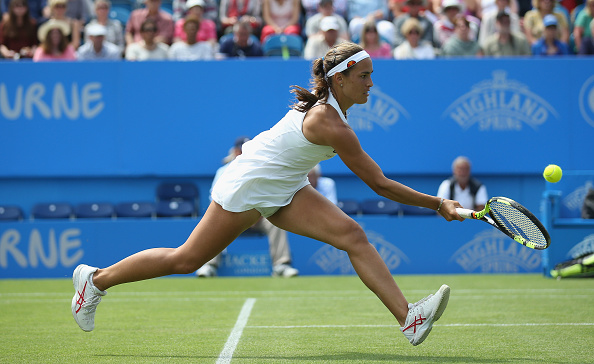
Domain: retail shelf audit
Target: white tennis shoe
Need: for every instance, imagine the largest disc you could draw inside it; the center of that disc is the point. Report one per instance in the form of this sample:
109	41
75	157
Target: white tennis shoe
423	314
284	270
86	298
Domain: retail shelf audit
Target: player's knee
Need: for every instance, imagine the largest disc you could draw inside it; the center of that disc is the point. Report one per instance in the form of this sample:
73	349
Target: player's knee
353	236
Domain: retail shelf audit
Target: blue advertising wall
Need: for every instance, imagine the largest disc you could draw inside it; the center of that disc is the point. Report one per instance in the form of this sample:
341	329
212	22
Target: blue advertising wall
106	119
81	132
573	236
411	245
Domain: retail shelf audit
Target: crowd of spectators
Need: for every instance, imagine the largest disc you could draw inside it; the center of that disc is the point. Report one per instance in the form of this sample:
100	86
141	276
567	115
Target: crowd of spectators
44	30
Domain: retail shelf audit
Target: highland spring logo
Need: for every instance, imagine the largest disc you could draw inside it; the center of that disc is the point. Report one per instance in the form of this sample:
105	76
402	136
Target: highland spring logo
380	109
501	105
492	252
332	260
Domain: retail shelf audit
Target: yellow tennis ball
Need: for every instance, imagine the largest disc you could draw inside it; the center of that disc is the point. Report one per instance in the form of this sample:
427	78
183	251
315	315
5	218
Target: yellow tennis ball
553	173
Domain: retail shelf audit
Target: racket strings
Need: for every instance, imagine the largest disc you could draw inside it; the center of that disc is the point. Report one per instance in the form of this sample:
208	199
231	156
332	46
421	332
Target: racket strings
517	223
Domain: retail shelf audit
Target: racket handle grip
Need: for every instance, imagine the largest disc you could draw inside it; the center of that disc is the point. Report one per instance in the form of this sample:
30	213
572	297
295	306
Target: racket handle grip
465	213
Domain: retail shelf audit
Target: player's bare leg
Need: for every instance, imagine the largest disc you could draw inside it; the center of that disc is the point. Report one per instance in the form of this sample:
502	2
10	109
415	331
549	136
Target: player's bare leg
312	215
217	229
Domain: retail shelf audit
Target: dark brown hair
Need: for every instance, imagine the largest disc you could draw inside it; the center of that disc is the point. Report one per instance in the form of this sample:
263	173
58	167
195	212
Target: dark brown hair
320	85
12	30
47	43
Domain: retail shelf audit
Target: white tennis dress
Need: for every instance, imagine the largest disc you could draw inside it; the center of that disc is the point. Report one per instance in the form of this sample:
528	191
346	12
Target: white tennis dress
272	167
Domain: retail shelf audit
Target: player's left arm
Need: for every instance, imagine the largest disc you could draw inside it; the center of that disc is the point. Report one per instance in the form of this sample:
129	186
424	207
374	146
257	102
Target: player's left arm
342	138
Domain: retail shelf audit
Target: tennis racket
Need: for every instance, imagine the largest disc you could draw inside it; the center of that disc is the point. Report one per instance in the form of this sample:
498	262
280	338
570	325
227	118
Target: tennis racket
513	219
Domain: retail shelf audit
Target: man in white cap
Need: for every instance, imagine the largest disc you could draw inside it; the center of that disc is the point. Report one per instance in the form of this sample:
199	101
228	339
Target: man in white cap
318	44
97	48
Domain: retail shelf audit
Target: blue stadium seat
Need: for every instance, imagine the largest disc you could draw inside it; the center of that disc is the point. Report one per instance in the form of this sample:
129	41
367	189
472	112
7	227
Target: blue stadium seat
94	210
179	191
126	4
380	207
10	213
135	209
408	210
175	209
224	37
349	207
120	13
283	44
51	211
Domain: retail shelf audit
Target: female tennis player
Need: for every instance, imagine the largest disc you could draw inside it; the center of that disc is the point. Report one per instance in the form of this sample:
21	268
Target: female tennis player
270	179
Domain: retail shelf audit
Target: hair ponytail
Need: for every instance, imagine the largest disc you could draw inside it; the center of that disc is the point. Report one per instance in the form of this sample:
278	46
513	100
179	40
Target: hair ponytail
320	85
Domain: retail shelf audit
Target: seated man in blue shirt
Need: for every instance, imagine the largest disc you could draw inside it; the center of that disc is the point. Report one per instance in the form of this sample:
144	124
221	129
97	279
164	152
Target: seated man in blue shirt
549	44
241	44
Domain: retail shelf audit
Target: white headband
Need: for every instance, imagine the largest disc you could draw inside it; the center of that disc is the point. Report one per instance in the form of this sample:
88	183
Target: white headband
348	63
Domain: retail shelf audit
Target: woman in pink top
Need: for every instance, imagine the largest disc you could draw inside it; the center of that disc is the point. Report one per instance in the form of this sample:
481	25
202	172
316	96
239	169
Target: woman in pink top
280	17
54	44
371	42
207	30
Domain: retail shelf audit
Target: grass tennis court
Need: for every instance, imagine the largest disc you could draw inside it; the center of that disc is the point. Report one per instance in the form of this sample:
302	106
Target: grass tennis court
490	319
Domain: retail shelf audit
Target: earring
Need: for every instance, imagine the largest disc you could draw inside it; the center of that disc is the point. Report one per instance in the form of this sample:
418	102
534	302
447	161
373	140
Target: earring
341	85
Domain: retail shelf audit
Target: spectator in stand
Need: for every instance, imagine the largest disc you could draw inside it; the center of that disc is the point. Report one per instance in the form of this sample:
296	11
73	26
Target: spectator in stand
359	11
18	32
191	49
397	8
506	42
318	44
472	8
534	25
241	45
324	185
445	27
114	29
325	8
467	190
413	47
489	21
148	48
81	10
152	11
587	45
582	23
58	12
414	11
460	44
36	9
232	11
550	44
280	17
207	31
54	42
97	48
491	6
311	8
210	10
371	42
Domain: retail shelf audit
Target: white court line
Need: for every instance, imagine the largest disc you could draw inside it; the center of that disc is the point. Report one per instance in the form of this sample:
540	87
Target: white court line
363	292
227	353
436	325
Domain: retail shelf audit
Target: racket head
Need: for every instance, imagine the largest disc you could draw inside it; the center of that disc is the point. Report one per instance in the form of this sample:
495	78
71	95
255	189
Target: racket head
518	223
